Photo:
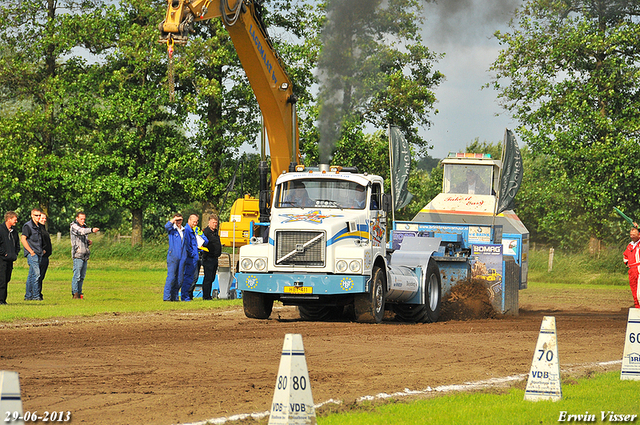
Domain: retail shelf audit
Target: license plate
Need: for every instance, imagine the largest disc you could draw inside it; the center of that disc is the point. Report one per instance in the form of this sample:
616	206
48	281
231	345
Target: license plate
298	289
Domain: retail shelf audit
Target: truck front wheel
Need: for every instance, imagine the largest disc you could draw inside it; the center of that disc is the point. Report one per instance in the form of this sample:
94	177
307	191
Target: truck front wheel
257	305
369	307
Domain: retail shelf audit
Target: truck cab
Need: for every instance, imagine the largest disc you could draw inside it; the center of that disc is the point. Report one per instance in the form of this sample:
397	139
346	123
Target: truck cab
325	241
477	175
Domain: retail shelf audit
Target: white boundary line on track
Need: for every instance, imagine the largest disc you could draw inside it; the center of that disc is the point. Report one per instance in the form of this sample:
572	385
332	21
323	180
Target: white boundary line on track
467	386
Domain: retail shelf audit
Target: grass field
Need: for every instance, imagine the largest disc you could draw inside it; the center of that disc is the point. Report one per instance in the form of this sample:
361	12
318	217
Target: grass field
595	395
119	280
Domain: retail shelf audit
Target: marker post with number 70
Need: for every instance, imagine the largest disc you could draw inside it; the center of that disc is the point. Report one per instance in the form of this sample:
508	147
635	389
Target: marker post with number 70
543	382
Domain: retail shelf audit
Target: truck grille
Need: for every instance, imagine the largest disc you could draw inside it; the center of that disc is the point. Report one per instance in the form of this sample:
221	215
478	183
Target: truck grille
300	248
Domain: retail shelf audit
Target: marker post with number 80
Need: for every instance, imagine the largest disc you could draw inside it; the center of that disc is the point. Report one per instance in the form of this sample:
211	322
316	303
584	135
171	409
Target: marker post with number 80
292	399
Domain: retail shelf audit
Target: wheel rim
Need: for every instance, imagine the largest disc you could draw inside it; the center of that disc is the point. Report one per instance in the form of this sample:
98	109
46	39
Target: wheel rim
433	292
379	297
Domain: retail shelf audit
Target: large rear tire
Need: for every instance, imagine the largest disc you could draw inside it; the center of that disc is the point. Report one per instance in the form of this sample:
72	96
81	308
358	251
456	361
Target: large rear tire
369	307
429	311
257	305
320	313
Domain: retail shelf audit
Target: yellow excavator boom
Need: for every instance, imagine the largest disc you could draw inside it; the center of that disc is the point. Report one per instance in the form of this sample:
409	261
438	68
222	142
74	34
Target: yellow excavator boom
269	81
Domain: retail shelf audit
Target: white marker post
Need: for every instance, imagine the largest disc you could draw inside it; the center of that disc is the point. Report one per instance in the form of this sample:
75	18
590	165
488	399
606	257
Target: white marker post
631	357
292	399
544	378
10	398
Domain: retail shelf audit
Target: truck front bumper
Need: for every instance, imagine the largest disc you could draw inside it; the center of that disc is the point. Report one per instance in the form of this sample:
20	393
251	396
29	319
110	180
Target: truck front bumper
301	284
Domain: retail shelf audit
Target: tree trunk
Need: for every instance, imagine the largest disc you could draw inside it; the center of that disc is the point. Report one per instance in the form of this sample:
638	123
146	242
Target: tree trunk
136	226
595	246
208	209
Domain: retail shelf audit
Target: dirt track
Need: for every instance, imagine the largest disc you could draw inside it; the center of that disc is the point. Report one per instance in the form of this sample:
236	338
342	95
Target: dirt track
176	367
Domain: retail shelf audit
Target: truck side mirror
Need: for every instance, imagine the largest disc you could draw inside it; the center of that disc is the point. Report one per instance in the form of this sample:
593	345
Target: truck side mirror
386	203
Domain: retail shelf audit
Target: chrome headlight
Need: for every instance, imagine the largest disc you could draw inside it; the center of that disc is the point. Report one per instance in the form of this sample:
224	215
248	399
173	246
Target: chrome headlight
260	264
246	264
355	266
341	266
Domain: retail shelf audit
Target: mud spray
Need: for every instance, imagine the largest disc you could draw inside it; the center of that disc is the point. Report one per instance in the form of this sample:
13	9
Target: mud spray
468	300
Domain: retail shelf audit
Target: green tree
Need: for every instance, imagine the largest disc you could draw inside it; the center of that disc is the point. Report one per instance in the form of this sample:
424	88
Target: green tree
568	72
427	163
551	211
46	96
494	149
368	152
424	186
139	156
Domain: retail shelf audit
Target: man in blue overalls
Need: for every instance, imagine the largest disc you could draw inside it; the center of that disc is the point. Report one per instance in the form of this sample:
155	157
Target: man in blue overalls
175	258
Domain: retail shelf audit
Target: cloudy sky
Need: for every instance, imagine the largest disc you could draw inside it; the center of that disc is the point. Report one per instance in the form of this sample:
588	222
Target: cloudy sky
463	30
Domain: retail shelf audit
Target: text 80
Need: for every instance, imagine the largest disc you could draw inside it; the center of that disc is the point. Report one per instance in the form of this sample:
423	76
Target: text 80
297	383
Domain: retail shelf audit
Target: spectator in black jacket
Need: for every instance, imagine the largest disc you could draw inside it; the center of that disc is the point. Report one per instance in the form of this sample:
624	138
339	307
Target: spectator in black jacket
46	250
210	253
9	248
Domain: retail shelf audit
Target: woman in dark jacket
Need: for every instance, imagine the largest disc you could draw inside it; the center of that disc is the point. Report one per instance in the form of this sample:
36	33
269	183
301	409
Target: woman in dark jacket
9	248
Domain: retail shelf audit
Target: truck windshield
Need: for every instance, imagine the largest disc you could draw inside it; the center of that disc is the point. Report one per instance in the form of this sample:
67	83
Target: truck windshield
321	193
468	179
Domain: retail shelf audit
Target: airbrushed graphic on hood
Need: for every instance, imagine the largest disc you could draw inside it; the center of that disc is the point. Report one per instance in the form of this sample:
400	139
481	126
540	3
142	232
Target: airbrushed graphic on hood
313	216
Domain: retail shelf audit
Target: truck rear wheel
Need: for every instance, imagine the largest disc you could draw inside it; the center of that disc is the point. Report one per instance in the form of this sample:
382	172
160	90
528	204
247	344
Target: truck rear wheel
429	311
369	307
320	313
257	305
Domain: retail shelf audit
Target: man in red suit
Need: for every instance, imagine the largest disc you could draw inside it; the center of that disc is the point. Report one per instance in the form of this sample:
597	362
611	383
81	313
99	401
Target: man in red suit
631	258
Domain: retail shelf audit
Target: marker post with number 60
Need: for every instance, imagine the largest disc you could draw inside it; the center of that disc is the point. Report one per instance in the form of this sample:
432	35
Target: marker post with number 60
631	355
292	399
543	382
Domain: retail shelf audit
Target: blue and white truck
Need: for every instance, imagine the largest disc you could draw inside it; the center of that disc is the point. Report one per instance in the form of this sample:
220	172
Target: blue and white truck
328	247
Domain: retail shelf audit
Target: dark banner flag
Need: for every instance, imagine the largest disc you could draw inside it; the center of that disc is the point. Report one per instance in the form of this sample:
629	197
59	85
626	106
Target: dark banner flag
511	173
400	164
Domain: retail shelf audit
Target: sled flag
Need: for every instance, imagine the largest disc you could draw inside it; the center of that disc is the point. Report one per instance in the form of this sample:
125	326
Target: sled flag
511	173
400	164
